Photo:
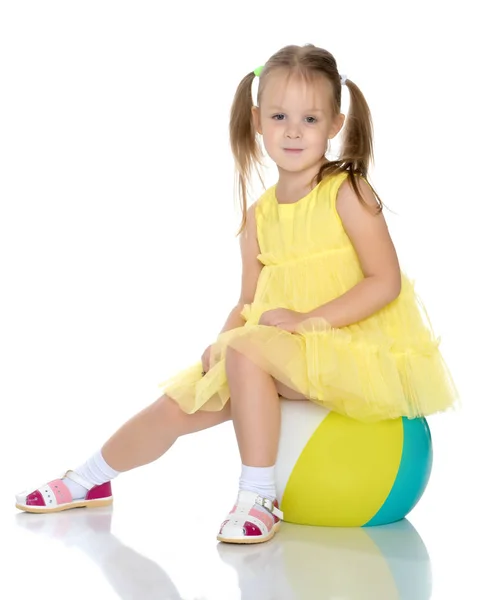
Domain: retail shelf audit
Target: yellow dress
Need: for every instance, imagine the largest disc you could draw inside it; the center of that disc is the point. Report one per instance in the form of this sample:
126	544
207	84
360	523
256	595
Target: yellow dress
385	366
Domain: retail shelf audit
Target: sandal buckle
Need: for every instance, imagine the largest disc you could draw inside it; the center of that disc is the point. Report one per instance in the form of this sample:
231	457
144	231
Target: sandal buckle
270	507
265	503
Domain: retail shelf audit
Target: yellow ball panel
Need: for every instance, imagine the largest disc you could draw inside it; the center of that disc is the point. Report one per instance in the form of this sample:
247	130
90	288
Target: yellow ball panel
345	472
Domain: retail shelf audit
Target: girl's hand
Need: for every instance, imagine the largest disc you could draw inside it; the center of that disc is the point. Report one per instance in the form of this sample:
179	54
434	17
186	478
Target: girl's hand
205	360
282	318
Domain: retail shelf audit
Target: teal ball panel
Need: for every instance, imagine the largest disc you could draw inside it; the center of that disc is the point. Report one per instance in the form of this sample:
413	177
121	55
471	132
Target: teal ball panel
413	474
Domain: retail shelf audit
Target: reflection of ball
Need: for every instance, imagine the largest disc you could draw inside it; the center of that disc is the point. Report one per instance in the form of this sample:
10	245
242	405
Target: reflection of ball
335	471
389	562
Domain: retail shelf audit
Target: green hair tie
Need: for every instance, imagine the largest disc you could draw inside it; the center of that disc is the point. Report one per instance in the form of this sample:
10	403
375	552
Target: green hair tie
257	71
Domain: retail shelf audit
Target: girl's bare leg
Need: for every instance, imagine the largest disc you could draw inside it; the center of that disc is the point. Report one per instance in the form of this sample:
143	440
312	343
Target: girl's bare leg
151	432
255	410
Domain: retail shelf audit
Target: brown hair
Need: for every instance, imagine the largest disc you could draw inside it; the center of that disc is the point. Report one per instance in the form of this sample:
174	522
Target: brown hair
309	61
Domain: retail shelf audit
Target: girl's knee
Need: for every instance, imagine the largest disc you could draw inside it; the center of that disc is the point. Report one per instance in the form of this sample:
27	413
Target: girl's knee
235	362
166	408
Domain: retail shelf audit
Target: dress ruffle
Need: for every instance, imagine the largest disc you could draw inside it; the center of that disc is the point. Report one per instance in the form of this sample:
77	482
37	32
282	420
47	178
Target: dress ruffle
361	377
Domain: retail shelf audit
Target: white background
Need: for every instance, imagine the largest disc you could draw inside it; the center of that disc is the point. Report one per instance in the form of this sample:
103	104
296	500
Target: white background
118	256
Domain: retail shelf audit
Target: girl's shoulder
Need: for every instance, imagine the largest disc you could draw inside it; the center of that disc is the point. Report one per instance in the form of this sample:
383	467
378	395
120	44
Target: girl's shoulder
265	200
331	183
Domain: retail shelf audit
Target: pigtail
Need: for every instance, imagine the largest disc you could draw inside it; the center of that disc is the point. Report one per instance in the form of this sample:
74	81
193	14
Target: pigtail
357	148
244	144
358	139
358	132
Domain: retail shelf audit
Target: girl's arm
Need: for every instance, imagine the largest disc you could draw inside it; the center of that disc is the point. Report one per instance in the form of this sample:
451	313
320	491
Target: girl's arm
370	237
251	268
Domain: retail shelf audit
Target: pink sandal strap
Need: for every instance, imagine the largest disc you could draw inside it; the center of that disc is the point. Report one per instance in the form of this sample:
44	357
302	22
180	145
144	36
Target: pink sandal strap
50	495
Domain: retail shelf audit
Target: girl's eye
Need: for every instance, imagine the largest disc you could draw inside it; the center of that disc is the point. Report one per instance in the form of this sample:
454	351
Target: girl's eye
311	119
278	117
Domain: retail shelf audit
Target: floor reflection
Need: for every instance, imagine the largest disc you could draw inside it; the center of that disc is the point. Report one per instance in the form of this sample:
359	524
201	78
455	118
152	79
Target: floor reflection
300	563
378	563
132	575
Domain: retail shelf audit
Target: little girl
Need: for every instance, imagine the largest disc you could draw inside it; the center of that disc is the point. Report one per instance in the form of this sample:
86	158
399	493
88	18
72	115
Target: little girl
324	314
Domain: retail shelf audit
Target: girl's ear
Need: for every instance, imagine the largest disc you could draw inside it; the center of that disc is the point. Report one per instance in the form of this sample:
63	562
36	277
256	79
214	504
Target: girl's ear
336	125
256	119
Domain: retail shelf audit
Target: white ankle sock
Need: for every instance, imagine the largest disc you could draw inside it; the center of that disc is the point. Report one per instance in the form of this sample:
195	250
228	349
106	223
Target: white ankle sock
95	471
258	479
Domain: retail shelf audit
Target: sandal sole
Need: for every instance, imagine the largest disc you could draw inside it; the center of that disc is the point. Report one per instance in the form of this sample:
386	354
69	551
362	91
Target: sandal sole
252	539
61	507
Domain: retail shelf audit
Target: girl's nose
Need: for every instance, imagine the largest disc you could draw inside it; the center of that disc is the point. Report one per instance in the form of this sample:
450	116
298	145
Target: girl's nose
293	131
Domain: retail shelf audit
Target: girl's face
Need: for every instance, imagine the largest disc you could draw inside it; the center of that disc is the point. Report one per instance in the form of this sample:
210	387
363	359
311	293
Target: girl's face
296	120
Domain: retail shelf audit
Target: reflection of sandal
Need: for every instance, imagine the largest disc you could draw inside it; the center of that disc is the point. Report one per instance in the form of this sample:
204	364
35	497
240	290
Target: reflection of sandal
247	524
55	496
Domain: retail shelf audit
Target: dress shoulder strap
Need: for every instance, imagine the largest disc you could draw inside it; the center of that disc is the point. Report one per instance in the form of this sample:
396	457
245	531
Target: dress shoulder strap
332	184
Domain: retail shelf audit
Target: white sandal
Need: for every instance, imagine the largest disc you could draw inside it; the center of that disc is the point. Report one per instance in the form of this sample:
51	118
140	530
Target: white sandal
247	524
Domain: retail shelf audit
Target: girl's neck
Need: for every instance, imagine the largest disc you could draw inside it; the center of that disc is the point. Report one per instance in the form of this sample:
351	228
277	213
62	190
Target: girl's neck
292	186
